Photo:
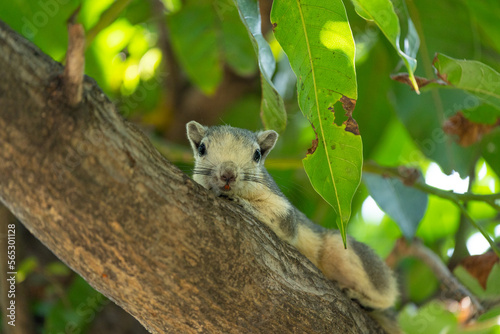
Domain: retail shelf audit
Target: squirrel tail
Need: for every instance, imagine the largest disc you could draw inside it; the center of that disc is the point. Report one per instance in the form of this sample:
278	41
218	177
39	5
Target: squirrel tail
387	320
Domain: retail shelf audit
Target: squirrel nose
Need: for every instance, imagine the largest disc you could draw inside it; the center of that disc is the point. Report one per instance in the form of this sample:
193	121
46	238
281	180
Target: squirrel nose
228	176
228	172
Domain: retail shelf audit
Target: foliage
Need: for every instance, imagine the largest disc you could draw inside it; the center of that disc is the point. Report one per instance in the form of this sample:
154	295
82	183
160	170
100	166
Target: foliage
421	94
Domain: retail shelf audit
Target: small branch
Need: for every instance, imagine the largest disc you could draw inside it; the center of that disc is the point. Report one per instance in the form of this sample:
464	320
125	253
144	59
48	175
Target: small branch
408	179
485	234
398	172
75	62
450	284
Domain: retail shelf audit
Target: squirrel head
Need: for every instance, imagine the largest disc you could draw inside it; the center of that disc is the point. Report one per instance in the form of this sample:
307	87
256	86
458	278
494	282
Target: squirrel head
230	161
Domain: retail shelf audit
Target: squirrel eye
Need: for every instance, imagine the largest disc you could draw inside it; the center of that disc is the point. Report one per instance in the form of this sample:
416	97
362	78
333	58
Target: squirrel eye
202	150
257	155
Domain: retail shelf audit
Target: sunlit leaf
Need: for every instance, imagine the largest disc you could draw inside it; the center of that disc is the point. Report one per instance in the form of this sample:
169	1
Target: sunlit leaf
172	5
404	204
26	267
471	76
273	112
57	268
317	39
382	13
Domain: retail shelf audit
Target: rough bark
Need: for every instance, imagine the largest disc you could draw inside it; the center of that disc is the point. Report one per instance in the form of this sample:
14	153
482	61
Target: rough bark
94	191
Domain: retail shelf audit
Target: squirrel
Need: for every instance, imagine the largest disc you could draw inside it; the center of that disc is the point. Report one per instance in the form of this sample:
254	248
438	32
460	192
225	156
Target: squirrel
230	163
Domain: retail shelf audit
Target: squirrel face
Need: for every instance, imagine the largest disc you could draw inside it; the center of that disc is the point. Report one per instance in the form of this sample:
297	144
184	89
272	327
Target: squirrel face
230	161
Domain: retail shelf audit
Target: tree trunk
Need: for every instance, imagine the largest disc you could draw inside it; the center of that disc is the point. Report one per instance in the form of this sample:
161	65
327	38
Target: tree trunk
92	188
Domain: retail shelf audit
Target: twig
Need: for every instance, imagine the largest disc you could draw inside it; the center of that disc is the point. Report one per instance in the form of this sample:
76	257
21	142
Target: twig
371	167
75	62
448	281
402	174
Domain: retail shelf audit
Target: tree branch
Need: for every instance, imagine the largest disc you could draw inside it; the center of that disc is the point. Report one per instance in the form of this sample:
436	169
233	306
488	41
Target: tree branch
92	188
449	283
491	199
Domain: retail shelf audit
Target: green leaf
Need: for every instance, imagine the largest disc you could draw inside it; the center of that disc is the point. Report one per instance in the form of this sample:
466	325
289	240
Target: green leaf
317	39
383	14
442	211
194	40
207	34
423	115
26	267
405	205
237	49
486	14
493	282
469	281
433	317
483	113
471	76
490	151
272	108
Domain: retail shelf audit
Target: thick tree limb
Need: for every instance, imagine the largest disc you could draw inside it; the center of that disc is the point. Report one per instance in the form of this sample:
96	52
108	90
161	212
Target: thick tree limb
94	191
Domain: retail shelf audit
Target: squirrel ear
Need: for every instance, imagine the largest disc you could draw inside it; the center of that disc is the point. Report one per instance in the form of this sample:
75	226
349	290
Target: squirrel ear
195	133
266	141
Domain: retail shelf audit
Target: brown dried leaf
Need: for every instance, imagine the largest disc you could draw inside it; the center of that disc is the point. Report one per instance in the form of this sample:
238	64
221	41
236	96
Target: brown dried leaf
441	76
408	175
314	144
404	78
468	132
350	124
348	105
313	147
479	266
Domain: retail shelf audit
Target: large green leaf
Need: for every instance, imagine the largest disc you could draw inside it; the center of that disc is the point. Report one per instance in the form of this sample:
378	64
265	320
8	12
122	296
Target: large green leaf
405	205
272	108
205	35
317	39
237	49
383	14
424	114
194	40
471	76
486	13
